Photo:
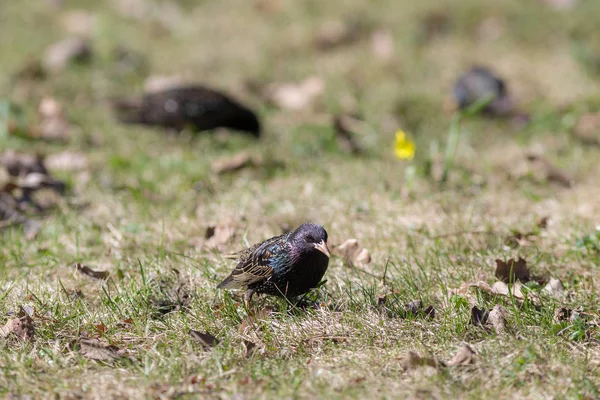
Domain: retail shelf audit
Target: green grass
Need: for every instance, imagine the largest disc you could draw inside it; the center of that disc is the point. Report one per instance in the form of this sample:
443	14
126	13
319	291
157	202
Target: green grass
143	213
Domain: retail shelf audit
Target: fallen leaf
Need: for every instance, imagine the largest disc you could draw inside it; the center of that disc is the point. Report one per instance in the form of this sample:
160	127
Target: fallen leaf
250	321
67	161
554	288
561	5
548	171
542	223
415	308
338	33
231	164
61	54
352	252
497	318
78	22
101	328
249	347
382	44
53	124
159	83
218	235
413	360
20	164
84	269
464	356
479	316
512	270
344	126
94	349
562	314
295	96
588	129
21	327
207	340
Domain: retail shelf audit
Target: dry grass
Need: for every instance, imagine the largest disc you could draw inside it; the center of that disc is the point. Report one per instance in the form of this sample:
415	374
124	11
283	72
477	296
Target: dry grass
149	197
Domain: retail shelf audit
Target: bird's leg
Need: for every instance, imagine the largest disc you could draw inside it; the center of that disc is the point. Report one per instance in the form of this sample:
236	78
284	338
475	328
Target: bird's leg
247	297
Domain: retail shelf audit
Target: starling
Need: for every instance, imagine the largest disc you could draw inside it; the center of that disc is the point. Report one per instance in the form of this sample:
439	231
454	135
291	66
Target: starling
288	265
196	106
479	83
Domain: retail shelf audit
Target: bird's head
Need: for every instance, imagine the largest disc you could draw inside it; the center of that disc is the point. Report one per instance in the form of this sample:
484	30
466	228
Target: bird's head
310	237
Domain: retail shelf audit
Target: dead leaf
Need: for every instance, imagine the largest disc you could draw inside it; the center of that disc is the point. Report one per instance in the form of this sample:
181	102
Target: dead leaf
295	96
562	314
382	44
159	83
101	328
61	54
413	360
94	349
231	164
588	129
67	161
84	269
218	235
542	223
249	347
415	308
548	171
464	356
78	22
512	270
207	340
554	288
561	5
20	164
479	316
352	252
338	33
344	126
53	124
21	327
497	318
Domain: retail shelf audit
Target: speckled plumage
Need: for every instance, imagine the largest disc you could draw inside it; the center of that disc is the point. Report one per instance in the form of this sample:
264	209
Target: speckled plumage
479	83
288	265
196	106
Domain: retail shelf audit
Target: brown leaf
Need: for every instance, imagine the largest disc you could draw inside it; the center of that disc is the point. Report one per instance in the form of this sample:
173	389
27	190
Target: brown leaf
249	347
344	126
78	22
464	356
479	316
84	269
562	314
548	170
231	164
554	288
382	44
218	235
207	340
101	328
588	129
295	96
413	360
96	350
61	54
497	318
250	321
21	327
337	33
415	308
352	252
67	161
158	83
53	125
512	270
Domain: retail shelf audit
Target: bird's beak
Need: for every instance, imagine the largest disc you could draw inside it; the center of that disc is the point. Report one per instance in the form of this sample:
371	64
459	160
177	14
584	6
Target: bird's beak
322	247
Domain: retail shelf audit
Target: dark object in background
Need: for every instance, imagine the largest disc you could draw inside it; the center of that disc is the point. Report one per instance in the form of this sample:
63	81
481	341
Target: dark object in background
288	265
479	83
195	106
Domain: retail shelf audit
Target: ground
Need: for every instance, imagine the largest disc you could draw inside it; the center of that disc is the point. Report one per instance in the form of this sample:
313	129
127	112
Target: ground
142	207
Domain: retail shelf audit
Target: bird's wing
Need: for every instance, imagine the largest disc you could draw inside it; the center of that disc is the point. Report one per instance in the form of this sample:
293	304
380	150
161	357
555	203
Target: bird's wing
254	264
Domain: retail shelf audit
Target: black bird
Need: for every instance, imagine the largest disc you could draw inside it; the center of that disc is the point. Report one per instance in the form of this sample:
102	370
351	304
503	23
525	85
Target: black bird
196	106
288	265
480	83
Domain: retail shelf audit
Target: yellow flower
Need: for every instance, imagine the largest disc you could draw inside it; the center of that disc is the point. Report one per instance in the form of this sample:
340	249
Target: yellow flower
404	147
